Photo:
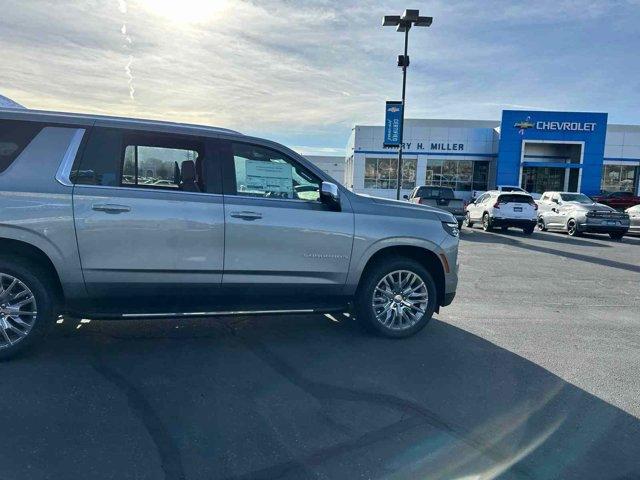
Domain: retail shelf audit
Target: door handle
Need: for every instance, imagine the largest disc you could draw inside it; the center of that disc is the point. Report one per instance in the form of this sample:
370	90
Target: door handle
247	215
110	208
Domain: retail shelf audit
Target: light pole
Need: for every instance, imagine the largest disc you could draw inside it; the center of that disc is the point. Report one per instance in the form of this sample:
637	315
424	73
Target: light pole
403	23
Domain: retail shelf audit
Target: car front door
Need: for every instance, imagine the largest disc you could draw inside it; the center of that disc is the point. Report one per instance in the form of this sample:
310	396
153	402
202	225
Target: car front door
283	245
149	221
553	216
475	208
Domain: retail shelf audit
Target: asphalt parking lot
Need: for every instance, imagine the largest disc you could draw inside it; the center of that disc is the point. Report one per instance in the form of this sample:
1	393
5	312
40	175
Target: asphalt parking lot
533	372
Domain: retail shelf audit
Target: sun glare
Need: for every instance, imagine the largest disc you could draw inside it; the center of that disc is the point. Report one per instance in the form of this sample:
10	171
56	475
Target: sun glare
186	11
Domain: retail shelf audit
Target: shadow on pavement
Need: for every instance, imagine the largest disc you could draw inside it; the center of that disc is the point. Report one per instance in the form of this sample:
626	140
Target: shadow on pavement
299	397
514	240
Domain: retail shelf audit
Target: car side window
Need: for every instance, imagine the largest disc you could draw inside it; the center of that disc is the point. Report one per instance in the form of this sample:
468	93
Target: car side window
266	173
154	163
14	137
117	158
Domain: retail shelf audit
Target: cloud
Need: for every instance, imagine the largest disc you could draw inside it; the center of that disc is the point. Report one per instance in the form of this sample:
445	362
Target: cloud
304	72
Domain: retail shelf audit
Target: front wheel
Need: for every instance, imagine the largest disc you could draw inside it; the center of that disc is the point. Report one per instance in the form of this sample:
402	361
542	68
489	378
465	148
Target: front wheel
486	223
468	221
541	225
616	235
26	305
572	228
396	298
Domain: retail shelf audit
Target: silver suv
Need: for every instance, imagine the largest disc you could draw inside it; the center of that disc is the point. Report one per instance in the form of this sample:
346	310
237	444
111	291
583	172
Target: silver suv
106	217
576	213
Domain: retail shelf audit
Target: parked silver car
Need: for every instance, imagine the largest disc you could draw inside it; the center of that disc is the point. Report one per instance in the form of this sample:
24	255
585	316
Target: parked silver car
116	218
634	219
576	213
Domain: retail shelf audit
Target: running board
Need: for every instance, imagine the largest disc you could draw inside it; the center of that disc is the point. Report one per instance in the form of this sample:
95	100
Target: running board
213	314
142	316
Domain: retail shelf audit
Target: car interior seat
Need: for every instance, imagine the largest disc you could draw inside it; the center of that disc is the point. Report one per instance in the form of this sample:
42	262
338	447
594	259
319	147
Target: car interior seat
188	182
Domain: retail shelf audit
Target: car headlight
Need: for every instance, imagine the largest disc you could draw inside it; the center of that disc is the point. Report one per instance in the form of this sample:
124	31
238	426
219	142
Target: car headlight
451	228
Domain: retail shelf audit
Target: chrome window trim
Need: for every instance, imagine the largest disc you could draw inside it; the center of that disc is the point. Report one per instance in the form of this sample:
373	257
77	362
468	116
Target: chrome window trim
255	197
64	170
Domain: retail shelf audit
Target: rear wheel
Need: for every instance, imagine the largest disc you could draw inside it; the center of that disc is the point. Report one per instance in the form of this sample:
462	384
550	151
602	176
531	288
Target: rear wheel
486	223
616	235
26	305
572	228
529	230
397	298
468	221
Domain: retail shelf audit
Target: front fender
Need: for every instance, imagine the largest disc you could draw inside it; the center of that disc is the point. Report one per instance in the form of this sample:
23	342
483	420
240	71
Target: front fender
358	264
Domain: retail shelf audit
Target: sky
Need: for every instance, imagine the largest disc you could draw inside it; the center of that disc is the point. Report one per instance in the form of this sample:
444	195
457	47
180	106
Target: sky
304	72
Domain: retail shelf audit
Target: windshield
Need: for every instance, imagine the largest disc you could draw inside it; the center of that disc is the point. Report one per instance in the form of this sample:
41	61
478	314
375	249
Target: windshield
515	198
575	197
435	192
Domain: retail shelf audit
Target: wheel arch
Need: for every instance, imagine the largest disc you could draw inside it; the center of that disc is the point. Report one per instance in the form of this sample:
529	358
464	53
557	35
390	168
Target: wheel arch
424	256
32	253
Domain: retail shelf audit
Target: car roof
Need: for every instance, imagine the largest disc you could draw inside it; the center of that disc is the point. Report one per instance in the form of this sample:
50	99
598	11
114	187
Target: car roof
68	118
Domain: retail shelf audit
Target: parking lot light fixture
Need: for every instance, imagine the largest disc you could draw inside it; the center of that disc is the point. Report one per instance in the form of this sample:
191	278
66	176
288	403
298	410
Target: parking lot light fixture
403	23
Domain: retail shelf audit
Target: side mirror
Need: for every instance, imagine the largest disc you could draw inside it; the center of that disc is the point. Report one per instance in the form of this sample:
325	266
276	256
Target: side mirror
406	197
329	194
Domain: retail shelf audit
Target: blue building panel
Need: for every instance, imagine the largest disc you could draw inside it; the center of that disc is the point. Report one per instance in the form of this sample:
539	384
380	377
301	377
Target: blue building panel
520	125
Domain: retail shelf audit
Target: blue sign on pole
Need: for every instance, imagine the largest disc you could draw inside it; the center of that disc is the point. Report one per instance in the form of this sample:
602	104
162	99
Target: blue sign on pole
393	124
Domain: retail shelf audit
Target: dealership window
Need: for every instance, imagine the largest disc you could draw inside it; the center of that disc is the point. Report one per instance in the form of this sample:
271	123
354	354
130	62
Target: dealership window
461	175
618	178
383	173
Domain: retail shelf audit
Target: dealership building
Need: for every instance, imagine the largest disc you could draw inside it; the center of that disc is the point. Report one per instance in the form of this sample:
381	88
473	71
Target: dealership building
537	150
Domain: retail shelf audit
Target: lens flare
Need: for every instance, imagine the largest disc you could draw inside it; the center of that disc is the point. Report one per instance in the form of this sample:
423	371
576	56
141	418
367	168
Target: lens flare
186	11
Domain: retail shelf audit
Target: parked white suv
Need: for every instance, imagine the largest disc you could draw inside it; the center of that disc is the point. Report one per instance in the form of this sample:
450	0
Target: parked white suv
495	209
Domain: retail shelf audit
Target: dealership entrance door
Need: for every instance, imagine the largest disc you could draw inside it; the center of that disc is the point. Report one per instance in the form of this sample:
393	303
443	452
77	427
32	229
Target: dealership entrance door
543	179
548	166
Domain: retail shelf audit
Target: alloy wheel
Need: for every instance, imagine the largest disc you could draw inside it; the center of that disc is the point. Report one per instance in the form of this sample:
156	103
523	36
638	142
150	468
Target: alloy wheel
400	300
571	227
18	310
541	224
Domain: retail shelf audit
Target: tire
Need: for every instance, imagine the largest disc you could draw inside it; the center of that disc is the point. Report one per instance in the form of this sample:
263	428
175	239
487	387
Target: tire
20	332
486	223
541	225
616	235
529	230
460	222
572	228
468	221
370	290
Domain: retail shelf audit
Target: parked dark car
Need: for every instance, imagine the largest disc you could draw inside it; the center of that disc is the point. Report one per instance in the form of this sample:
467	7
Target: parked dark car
618	200
439	197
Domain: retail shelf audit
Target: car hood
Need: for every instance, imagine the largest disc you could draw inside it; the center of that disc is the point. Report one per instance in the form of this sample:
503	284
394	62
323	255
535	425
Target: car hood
404	206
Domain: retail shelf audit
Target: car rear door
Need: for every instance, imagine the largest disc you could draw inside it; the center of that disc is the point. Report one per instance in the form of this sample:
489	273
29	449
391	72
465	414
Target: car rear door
283	245
149	220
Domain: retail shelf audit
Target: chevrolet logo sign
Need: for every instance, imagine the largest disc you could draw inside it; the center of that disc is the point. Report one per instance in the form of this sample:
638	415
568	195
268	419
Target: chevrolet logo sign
524	125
